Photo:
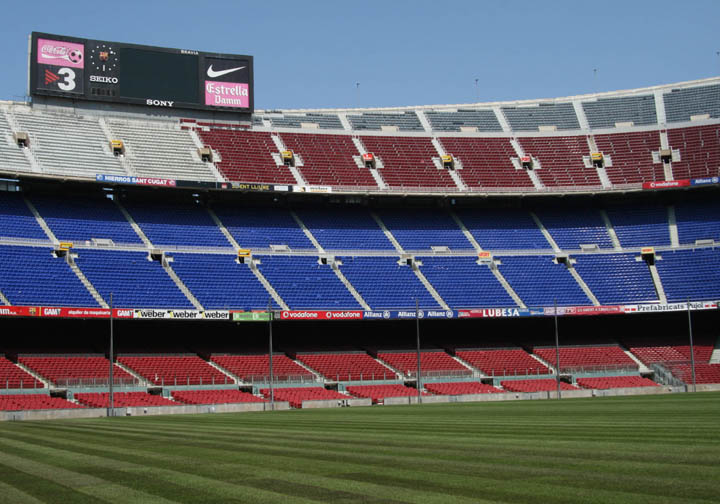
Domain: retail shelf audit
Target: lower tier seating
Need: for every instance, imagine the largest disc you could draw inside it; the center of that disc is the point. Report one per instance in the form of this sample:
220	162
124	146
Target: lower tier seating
377	393
122	400
347	366
76	370
503	362
19	402
296	395
461	388
435	363
225	396
588	357
546	385
704	372
611	382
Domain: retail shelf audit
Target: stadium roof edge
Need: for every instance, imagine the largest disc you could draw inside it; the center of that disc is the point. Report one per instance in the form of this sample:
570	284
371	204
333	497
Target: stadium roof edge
480	105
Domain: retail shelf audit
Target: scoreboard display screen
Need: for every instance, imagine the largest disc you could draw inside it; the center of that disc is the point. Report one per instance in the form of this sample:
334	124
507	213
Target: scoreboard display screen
105	71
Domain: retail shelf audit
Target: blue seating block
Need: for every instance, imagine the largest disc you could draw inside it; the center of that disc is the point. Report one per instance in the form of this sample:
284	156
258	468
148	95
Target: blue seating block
617	278
539	281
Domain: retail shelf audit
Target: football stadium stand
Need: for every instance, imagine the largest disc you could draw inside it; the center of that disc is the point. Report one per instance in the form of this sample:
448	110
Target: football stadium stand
503	361
20	402
378	393
432	363
174	370
545	385
254	368
76	370
587	358
122	399
357	366
14	377
461	388
611	382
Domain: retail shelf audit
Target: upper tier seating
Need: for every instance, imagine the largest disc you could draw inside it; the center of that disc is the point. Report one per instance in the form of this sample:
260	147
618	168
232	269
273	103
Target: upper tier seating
20	402
503	229
483	120
631	156
699	151
122	400
16	219
540	282
76	370
384	284
328	160
82	219
606	112
66	144
697	220
378	393
304	284
461	388
545	385
31	276
176	224
408	162
690	274
617	278
160	150
421	228
640	225
324	121
404	121
530	118
134	281
503	362
296	395
572	227
682	104
14	377
432	363
344	229
246	156
587	357
611	382
561	161
462	283
262	227
252	368
220	282
356	366
486	163
673	348
224	396
12	158
175	370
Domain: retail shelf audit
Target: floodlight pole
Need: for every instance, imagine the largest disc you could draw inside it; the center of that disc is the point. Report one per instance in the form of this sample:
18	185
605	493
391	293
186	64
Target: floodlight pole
270	355
557	352
111	402
692	350
417	334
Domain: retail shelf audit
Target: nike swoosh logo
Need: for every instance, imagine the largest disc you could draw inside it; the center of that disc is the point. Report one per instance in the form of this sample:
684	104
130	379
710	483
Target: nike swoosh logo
213	73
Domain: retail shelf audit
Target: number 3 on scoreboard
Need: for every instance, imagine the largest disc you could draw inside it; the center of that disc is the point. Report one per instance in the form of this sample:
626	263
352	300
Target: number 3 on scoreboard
69	83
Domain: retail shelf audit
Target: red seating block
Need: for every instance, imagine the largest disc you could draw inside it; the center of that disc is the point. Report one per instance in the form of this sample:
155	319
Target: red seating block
175	370
377	393
699	151
347	366
611	382
461	388
588	357
122	400
547	385
225	396
436	363
76	370
631	155
252	368
20	402
14	377
561	160
503	362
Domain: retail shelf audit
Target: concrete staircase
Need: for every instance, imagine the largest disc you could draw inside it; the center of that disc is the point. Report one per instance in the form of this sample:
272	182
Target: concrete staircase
269	288
658	283
672	225
295	172
307	232
40	378
350	287
430	288
387	233
235	379
223	229
41	222
88	285
582	284
134	225
183	288
141	379
611	231
3	299
643	368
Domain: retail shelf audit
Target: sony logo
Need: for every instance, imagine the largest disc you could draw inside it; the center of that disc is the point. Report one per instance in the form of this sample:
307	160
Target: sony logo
159	103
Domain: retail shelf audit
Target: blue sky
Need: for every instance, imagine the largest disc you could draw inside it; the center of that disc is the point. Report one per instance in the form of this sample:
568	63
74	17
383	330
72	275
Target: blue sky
405	52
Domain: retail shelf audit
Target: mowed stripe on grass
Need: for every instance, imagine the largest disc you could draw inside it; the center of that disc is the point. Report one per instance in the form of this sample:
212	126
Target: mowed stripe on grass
650	449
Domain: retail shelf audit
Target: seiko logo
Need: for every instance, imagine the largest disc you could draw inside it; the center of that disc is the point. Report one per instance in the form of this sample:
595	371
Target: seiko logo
106	80
159	103
187	51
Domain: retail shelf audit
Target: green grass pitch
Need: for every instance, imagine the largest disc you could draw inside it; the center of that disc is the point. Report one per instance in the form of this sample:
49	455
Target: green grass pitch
648	449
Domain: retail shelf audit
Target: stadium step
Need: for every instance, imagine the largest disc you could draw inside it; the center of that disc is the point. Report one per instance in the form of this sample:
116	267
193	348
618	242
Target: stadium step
269	288
536	163
361	165
580	113
41	222
28	153
295	172
439	300
344	121
611	231
4	300
350	287
224	371
424	121
582	284
387	232
307	232
502	119
476	372
545	232
667	167
715	357
544	363
46	383
223	229
183	288
88	285
132	373
642	367
601	171
658	283
672	225
134	225
200	145
508	288
110	136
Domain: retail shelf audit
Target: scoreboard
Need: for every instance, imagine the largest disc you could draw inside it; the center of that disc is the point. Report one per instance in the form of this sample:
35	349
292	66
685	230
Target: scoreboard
103	71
